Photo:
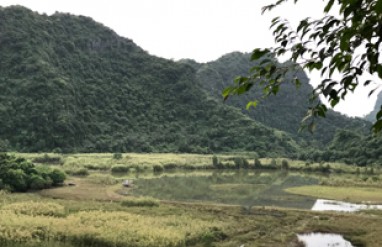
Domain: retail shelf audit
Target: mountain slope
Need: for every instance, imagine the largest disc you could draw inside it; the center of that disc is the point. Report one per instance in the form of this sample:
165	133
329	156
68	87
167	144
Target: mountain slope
70	84
373	114
284	111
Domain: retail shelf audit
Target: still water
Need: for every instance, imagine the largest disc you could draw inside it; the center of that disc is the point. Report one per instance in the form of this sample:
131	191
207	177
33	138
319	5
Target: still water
331	205
247	188
323	240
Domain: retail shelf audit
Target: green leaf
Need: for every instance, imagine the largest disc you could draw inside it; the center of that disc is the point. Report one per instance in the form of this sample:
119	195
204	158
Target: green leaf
379	70
367	82
226	93
379	114
334	102
344	43
251	103
377	126
302	24
378	7
275	89
328	6
258	53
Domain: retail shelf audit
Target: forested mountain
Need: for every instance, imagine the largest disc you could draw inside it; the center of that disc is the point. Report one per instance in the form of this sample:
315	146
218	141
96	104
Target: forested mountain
70	84
378	104
284	111
349	147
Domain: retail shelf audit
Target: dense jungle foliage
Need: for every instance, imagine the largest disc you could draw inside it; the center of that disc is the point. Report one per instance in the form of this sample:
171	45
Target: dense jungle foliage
18	174
349	147
69	84
284	111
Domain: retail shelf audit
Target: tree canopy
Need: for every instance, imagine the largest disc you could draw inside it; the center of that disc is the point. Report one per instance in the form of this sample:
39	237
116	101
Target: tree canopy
346	43
18	174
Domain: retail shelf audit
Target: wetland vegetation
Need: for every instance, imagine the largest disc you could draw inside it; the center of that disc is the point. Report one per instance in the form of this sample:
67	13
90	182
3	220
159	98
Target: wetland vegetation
184	207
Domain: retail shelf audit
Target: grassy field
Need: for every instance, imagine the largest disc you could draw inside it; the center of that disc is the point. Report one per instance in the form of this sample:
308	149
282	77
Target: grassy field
35	217
98	211
350	194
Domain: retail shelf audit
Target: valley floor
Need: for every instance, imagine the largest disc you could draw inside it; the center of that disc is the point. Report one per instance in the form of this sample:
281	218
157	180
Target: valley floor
98	211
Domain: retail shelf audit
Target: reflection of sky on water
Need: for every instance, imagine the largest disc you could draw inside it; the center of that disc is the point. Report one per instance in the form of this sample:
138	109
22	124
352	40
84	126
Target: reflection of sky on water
323	240
331	205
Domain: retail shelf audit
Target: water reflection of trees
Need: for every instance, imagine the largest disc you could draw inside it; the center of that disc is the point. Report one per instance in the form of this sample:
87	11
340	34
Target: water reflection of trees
242	187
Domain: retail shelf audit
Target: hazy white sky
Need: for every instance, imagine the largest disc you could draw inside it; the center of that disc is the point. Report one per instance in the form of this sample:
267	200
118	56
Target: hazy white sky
202	30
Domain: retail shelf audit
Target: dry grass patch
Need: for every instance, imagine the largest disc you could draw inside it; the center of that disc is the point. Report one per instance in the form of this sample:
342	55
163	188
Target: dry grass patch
84	190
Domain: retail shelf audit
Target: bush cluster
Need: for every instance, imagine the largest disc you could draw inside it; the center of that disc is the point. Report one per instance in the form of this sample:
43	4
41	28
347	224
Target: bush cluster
47	159
18	174
140	202
120	168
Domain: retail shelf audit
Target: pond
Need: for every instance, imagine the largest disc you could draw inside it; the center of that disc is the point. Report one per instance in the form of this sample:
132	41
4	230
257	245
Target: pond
323	239
239	187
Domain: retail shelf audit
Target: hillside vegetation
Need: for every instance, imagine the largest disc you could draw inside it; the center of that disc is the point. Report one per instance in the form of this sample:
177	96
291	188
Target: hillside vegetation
284	111
372	115
69	84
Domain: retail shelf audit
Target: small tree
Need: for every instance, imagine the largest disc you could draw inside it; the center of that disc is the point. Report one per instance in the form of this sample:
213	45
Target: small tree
158	168
238	162
284	165
117	156
57	176
215	161
257	163
245	163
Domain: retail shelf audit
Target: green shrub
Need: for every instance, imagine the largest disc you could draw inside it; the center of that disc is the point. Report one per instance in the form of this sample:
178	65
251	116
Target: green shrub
120	169
169	166
117	156
18	174
77	171
140	202
257	163
57	176
273	163
284	165
238	162
97	166
158	168
46	159
215	161
37	182
245	163
17	179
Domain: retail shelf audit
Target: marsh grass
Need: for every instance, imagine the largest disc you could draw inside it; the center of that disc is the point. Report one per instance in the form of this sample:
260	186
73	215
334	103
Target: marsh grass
150	161
35	209
348	193
140	202
94	215
100	228
86	189
103	179
90	222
